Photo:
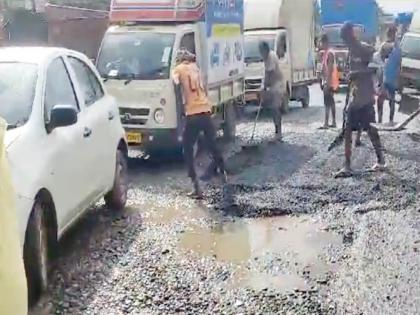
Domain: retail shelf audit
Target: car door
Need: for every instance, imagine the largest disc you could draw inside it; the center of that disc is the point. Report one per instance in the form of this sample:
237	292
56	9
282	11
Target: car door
102	118
64	147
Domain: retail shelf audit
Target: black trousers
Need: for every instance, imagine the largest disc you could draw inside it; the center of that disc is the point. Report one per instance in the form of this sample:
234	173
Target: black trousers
195	125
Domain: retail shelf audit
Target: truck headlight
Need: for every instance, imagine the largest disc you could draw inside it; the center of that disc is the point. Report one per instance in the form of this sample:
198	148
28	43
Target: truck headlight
159	116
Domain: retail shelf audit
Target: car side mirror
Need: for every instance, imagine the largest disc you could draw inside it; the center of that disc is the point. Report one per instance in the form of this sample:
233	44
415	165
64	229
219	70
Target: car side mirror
63	116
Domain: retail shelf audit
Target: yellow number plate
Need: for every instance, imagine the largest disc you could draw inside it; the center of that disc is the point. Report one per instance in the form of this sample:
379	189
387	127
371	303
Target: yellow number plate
133	137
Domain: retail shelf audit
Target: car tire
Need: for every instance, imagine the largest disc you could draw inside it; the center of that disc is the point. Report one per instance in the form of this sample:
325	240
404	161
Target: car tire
229	126
116	199
36	252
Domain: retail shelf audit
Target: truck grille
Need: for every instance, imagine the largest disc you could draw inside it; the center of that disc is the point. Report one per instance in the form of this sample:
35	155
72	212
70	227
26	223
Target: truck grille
253	84
134	116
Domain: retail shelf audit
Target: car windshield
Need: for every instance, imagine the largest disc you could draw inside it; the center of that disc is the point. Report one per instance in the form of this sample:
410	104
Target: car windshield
252	52
334	37
410	47
17	91
136	55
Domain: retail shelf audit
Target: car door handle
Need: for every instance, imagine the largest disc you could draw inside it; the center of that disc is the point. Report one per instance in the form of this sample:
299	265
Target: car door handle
111	115
87	132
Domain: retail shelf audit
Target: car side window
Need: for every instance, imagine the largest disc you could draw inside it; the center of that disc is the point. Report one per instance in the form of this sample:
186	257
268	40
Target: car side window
58	88
188	42
89	83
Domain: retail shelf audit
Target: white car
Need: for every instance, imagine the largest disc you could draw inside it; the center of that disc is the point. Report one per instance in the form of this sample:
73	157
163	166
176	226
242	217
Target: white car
65	144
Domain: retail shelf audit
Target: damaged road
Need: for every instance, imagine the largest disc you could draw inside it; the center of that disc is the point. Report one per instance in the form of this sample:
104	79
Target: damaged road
283	237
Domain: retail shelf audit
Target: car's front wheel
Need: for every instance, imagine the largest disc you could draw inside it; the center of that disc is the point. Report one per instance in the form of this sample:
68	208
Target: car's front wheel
117	197
36	252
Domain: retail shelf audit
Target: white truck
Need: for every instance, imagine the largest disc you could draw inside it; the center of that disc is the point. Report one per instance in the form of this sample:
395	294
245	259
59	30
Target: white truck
137	55
410	46
288	26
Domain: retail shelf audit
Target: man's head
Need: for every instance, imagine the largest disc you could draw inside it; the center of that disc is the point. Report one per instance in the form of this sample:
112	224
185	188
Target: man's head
264	49
183	55
347	33
325	42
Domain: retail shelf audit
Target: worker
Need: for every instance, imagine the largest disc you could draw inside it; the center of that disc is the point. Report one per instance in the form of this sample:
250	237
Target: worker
390	53
273	86
360	108
197	108
330	82
13	290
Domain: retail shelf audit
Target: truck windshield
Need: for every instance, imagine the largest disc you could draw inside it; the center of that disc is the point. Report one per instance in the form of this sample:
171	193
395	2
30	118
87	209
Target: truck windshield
252	52
410	47
17	91
136	55
333	33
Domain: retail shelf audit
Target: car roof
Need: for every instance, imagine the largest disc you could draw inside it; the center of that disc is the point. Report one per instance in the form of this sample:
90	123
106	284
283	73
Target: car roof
35	55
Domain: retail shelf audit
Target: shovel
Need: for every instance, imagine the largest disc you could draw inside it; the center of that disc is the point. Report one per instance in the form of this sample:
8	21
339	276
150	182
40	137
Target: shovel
250	145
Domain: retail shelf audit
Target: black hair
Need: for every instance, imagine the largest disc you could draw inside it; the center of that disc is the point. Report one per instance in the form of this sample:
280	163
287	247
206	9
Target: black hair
325	39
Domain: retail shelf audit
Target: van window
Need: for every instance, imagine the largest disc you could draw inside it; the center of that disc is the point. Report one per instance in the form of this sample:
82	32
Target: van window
188	42
410	47
251	46
136	55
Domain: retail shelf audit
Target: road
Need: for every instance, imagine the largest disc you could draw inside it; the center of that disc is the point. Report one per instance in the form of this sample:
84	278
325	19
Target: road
284	237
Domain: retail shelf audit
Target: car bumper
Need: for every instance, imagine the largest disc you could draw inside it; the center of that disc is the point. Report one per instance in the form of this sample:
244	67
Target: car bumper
140	141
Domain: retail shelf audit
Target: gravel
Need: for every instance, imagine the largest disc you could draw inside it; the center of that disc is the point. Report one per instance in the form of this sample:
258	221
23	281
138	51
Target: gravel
132	262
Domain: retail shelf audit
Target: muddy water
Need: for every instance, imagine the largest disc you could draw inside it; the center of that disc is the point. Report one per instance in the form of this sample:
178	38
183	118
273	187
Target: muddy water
297	241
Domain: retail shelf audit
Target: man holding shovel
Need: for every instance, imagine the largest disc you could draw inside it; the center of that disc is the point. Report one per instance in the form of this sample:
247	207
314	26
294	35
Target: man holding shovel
197	111
273	86
360	108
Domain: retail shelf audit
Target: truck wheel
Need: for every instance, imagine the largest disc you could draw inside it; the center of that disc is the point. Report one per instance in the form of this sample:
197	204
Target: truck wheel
117	197
229	126
305	97
36	252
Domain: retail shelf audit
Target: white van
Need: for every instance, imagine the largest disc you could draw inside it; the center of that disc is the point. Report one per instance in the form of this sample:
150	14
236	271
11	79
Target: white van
137	55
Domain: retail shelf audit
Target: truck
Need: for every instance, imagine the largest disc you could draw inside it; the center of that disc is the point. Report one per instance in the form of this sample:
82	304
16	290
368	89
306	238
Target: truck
290	31
410	46
137	56
334	13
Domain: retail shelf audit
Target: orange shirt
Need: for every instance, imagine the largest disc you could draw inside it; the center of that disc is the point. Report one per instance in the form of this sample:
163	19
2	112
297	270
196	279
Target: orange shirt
195	98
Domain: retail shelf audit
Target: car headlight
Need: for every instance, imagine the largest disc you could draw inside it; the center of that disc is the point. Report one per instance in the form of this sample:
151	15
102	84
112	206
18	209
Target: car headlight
159	116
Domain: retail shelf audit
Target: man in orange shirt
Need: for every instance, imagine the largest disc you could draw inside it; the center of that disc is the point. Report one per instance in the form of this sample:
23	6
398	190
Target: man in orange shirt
197	110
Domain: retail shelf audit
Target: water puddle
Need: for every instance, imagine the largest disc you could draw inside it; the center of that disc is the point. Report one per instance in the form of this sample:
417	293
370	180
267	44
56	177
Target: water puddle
298	241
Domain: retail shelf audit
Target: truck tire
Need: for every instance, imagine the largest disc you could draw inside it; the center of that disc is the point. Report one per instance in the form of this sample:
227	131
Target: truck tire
229	126
36	252
117	197
305	100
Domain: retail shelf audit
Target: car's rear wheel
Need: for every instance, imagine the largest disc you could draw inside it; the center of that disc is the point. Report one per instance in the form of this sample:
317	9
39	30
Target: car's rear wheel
37	252
117	197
